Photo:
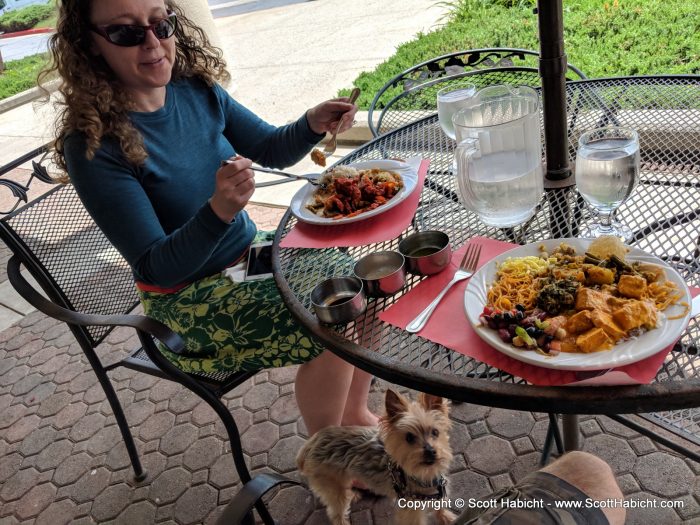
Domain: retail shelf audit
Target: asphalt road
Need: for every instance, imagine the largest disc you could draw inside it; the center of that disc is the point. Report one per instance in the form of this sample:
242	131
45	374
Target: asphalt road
221	8
22	46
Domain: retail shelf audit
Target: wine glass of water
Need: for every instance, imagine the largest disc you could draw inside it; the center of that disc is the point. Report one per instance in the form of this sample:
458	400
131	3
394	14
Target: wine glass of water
449	101
607	170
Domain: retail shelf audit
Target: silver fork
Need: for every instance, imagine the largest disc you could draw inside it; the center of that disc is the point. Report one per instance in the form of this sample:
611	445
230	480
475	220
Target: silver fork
333	143
466	269
313	178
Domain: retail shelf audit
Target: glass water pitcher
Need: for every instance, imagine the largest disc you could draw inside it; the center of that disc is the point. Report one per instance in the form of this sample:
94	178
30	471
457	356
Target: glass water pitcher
498	158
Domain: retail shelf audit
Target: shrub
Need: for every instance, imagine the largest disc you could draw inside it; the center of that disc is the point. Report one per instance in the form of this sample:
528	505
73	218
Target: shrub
26	18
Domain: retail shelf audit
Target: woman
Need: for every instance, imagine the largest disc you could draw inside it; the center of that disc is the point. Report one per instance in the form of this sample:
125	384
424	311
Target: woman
142	131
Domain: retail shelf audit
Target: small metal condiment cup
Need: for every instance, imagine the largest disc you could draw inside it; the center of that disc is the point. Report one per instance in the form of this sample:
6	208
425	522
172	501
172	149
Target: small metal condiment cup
339	300
382	273
426	252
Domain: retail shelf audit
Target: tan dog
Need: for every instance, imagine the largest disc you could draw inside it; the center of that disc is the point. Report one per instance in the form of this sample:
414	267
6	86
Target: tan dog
405	459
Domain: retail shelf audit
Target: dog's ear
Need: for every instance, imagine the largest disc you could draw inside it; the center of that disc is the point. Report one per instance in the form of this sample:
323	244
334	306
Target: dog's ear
431	402
395	404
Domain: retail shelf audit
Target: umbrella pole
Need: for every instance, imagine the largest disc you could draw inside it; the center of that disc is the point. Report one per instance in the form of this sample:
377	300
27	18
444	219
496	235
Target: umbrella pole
553	74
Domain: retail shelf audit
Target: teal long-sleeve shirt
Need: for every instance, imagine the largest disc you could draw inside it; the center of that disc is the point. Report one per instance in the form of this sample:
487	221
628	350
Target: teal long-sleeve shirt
158	215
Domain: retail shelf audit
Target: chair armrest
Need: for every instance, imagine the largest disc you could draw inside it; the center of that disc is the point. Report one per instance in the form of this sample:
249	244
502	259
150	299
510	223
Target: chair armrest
142	323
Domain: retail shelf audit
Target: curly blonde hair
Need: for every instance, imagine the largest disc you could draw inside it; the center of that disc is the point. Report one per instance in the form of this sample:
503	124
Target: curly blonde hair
93	100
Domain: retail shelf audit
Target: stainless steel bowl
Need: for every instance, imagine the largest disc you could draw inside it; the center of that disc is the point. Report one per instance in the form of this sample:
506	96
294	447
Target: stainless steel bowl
339	300
426	252
382	273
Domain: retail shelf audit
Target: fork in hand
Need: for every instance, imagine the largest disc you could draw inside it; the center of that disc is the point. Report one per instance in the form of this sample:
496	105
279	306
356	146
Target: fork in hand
313	178
466	269
333	143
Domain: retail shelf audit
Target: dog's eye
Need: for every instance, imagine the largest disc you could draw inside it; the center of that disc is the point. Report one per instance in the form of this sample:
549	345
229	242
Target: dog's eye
410	438
435	432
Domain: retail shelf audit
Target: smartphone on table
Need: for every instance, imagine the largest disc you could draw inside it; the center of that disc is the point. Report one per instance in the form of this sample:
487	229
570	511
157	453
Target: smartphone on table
259	264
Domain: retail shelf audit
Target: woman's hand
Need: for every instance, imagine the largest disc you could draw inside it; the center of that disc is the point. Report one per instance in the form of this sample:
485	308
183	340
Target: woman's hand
325	117
235	185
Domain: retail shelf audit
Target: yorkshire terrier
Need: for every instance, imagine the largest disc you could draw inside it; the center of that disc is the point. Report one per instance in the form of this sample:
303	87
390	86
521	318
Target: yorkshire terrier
406	459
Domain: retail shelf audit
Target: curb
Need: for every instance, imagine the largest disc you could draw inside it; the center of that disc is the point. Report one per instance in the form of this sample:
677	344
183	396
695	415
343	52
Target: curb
358	134
26	32
26	97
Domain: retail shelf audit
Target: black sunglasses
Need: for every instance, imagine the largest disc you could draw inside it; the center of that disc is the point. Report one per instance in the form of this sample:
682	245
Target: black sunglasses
127	35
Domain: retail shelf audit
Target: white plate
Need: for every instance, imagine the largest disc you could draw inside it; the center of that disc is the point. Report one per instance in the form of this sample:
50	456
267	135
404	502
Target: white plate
622	353
408	171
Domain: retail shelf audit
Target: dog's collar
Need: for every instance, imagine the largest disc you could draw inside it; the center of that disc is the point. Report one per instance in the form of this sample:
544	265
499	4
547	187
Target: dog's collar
400	480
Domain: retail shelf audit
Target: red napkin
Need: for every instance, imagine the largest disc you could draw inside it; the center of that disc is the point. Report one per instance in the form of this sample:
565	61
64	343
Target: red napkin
441	329
385	226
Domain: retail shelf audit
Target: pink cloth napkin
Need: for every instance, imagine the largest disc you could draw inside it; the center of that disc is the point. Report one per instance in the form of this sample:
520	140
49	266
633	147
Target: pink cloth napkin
450	313
385	226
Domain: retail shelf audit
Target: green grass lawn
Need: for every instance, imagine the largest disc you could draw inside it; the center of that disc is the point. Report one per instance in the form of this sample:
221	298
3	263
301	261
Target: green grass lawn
602	38
20	75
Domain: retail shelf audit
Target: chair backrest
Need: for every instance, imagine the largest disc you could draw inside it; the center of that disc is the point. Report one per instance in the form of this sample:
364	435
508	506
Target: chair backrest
412	94
69	256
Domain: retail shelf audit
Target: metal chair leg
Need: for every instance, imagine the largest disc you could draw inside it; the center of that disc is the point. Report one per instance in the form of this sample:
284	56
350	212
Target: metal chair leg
238	510
103	378
236	447
557	434
264	513
685	451
553	434
544	457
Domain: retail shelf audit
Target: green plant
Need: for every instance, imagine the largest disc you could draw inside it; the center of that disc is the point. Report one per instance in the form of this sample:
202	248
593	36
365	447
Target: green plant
20	75
602	37
26	18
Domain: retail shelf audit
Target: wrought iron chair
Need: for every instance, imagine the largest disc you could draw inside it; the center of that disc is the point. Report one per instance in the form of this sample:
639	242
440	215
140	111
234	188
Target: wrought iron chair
56	240
411	95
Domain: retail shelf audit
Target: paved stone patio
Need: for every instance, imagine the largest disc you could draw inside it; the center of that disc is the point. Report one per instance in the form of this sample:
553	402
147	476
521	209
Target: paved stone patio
62	460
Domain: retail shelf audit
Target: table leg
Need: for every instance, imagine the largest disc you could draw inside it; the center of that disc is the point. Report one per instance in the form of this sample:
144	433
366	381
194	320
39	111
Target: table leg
572	439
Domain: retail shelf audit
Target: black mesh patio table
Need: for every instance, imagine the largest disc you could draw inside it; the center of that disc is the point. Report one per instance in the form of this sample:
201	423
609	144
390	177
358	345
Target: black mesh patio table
663	212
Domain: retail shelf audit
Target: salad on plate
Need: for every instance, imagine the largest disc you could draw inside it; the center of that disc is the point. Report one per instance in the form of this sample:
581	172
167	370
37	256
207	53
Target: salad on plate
566	301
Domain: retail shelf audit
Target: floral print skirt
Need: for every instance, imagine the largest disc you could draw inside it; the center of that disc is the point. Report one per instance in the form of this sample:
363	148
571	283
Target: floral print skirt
231	326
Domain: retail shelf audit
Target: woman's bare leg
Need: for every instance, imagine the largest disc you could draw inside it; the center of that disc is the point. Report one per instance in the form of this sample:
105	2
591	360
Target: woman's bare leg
356	410
321	389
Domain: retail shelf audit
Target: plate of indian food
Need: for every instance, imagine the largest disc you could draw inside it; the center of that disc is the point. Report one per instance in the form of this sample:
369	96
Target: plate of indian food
355	192
578	304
